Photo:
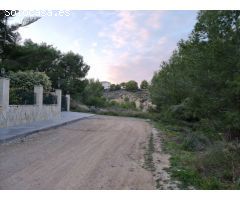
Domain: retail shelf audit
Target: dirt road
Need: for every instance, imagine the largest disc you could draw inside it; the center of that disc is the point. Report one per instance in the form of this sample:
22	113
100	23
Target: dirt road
100	152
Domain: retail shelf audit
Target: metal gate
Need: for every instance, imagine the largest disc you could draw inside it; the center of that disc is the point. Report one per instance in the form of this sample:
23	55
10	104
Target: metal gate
64	103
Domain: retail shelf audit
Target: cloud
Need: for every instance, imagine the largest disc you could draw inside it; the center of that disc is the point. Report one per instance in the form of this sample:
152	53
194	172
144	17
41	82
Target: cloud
142	37
118	45
154	20
94	44
163	40
137	44
126	22
125	31
141	65
76	44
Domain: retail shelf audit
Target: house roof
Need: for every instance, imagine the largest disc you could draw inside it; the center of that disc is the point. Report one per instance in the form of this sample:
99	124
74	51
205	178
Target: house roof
105	82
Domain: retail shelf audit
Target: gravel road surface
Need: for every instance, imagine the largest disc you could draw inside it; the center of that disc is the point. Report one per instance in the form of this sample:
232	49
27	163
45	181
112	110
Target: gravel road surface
100	152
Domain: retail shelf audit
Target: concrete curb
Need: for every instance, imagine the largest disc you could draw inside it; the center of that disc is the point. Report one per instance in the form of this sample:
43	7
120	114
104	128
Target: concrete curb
37	130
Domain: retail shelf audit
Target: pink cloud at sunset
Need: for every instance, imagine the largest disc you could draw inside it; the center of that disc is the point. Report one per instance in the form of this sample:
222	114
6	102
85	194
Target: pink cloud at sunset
118	45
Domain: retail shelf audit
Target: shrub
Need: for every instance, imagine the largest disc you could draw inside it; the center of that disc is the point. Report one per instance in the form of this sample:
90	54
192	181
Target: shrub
125	105
96	101
184	111
128	105
28	79
144	84
195	142
93	94
222	161
123	85
131	86
114	87
22	86
126	99
232	125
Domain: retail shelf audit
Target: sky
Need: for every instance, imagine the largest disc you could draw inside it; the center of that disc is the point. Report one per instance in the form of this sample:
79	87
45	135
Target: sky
118	45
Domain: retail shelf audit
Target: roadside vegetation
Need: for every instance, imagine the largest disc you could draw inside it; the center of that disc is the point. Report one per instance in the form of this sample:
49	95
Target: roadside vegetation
197	93
148	156
199	162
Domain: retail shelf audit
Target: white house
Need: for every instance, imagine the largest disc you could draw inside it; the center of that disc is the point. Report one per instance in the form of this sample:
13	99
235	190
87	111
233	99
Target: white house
106	85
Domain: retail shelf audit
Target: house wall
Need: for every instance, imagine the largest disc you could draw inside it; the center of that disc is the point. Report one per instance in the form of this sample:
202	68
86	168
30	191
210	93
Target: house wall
106	85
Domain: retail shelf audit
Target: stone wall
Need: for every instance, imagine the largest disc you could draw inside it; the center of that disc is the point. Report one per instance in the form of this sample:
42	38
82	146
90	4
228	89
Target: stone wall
21	114
11	115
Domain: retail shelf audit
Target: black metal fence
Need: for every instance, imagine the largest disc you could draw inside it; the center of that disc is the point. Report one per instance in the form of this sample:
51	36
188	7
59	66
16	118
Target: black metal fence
19	96
49	98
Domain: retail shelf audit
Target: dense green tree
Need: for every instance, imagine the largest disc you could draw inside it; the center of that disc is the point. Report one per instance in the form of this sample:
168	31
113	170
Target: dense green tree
144	84
123	85
200	82
32	56
114	87
131	86
66	70
118	87
8	32
70	70
93	94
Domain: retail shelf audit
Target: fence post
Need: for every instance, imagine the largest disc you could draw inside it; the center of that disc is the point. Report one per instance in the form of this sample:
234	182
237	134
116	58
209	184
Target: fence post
4	93
68	102
38	90
59	98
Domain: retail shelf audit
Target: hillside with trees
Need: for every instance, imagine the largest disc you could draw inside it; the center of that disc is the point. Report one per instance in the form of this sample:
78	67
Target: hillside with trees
198	89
